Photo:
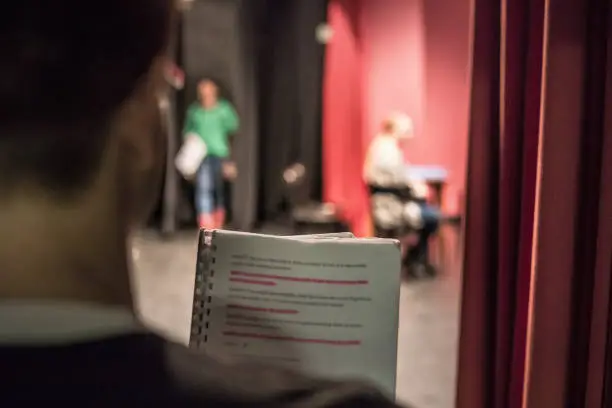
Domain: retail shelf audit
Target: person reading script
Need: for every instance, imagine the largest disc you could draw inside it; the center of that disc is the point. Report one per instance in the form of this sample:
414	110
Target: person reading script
80	163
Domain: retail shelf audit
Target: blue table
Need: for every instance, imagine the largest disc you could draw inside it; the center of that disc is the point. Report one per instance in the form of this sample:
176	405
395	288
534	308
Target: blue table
434	176
429	174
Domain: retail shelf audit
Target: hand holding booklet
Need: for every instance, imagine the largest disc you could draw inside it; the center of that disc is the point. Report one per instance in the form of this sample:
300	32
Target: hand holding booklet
327	305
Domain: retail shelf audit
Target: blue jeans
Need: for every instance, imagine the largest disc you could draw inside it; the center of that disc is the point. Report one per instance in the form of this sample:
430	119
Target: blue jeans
431	221
209	186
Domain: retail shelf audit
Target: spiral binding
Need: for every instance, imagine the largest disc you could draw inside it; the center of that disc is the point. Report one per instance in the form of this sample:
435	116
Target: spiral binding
202	299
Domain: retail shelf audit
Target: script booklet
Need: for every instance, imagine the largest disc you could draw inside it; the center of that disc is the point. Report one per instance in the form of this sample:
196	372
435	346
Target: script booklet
327	305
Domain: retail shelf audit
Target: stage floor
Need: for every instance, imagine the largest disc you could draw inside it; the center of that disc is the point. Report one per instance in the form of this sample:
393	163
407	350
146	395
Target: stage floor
429	316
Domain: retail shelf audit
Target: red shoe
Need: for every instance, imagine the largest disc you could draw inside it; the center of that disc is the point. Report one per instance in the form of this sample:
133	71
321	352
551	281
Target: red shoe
219	218
206	221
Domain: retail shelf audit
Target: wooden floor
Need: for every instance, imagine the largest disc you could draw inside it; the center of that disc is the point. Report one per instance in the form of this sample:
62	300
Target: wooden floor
164	275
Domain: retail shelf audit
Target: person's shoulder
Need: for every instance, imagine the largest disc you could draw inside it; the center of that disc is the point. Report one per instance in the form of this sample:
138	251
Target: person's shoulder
379	143
225	104
194	106
378	140
233	383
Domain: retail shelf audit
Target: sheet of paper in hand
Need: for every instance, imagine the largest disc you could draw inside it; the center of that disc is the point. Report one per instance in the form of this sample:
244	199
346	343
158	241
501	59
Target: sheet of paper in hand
190	156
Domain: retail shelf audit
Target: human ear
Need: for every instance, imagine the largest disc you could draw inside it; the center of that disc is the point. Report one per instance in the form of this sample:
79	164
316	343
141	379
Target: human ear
142	145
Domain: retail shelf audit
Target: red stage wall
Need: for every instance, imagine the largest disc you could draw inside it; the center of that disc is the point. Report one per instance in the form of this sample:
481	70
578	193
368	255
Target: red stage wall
393	62
415	59
343	149
447	91
387	55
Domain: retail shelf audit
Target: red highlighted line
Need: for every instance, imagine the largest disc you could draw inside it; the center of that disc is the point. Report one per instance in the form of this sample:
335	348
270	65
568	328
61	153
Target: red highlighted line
296	279
262	309
252	282
293	339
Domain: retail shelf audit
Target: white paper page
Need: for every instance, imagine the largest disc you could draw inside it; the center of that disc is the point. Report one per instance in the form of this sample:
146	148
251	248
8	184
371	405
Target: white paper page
329	307
333	235
190	156
306	236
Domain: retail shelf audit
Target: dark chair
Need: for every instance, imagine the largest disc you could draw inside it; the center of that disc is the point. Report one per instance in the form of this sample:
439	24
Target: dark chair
308	216
455	223
394	225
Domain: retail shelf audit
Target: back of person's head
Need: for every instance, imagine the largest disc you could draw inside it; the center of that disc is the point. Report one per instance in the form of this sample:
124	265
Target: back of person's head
388	127
398	125
68	71
79	155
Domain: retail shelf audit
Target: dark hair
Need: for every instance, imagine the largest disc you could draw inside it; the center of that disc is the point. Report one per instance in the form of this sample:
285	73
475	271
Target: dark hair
65	68
388	126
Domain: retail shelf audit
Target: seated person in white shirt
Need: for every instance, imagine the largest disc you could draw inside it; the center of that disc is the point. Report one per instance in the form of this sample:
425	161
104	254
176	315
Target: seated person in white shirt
386	173
81	162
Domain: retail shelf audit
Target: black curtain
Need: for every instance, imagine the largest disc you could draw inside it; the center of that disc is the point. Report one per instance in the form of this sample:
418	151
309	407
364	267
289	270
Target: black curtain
218	42
265	57
290	72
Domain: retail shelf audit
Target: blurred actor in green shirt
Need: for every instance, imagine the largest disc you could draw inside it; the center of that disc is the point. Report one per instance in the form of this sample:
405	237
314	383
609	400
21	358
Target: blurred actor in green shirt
214	120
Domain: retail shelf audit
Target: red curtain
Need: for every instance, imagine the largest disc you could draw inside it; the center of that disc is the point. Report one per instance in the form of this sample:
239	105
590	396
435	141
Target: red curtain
476	361
536	311
527	19
523	37
502	166
569	331
343	151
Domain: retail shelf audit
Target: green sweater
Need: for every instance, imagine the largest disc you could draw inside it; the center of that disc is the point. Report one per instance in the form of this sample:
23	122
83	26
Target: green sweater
213	125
